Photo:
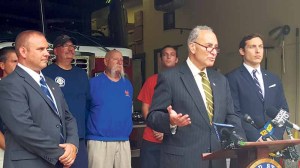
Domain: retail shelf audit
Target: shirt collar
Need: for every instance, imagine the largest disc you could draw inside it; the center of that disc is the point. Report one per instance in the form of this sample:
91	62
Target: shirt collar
250	69
193	68
32	73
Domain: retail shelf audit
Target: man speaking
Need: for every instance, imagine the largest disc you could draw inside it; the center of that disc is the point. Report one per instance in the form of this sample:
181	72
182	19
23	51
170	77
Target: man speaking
187	99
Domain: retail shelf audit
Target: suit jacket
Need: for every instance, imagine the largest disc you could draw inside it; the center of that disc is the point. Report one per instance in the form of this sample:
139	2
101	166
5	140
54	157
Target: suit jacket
32	126
246	99
177	87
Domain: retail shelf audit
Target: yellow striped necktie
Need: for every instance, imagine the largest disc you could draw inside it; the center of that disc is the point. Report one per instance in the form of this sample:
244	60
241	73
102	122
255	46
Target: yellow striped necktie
208	95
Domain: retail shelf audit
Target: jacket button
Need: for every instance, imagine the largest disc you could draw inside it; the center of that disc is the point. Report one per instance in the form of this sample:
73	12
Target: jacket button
57	126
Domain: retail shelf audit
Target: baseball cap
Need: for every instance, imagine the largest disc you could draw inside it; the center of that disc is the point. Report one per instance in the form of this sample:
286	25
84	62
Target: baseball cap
62	39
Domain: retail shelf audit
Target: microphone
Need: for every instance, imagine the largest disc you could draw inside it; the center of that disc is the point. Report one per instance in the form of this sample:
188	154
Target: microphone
266	130
233	140
289	132
249	120
281	118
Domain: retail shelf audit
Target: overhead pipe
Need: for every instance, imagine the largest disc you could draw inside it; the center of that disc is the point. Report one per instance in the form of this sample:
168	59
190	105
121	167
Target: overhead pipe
42	16
297	79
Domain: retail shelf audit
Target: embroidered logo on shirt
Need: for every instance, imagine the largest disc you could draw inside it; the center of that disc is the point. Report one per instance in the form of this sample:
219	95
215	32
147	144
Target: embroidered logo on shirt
60	81
126	93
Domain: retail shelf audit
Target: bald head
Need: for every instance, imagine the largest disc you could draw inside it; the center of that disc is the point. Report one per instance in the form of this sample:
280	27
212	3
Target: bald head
31	48
112	52
23	39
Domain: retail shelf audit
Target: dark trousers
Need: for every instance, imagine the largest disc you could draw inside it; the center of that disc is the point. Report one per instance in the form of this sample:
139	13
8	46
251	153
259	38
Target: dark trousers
150	154
59	165
81	160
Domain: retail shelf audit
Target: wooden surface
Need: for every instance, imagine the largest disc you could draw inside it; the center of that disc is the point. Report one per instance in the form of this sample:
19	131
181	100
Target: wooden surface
265	147
273	146
251	151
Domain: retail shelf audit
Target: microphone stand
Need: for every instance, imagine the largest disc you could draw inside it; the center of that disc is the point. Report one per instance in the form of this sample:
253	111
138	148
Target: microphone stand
290	152
289	132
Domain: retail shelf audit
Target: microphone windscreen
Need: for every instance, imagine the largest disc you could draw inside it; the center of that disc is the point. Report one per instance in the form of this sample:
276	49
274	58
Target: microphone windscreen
225	133
247	118
272	112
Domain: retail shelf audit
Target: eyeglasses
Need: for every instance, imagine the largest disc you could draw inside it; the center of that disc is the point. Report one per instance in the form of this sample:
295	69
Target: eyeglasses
69	46
209	49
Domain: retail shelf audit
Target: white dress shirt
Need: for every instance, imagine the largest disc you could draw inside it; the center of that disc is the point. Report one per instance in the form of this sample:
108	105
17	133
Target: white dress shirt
198	78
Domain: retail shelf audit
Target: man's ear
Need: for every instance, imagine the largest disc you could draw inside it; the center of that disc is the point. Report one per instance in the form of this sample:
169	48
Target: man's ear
105	61
176	60
192	48
242	51
22	51
55	51
2	65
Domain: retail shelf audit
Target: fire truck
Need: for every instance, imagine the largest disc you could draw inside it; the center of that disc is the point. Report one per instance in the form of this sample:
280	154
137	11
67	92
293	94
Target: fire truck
74	18
90	58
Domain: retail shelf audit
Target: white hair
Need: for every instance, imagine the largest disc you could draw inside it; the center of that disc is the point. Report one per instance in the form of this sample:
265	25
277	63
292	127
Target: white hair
195	33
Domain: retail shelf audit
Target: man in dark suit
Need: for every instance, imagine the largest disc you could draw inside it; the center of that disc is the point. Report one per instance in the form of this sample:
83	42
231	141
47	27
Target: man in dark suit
40	130
181	110
254	89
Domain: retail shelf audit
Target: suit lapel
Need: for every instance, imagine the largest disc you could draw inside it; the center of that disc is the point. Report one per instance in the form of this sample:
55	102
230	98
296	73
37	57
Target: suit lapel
245	74
31	82
192	88
266	84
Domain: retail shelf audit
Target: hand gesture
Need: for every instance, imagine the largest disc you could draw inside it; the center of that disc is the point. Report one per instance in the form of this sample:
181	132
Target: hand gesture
178	119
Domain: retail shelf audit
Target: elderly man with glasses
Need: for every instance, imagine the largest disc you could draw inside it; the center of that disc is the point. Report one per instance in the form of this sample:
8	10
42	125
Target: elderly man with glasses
187	100
74	83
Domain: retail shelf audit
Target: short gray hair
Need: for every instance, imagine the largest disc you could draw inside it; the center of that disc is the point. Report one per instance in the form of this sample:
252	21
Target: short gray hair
195	33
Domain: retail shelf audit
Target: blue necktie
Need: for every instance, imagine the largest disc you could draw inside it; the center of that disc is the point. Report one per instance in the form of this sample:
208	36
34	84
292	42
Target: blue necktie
255	79
47	92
